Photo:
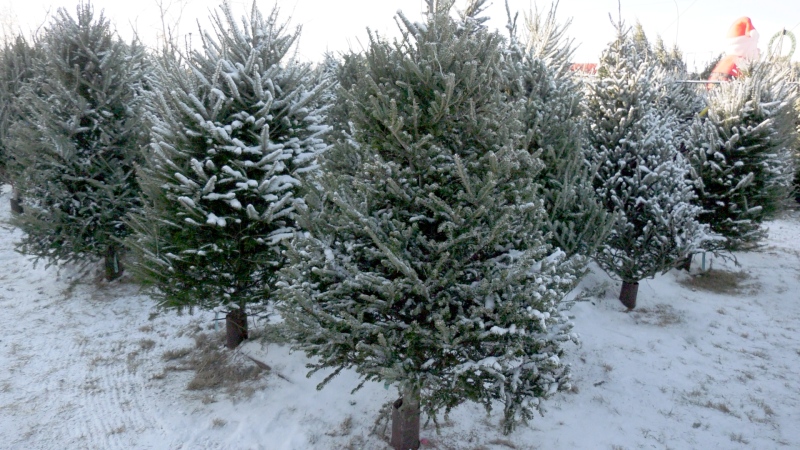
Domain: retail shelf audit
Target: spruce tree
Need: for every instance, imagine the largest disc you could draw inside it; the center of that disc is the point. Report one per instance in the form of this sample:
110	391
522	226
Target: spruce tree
340	73
797	146
234	132
77	139
17	60
427	268
743	152
539	75
641	175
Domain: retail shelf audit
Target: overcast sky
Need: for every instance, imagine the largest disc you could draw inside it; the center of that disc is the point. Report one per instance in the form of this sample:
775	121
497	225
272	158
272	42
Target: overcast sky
337	25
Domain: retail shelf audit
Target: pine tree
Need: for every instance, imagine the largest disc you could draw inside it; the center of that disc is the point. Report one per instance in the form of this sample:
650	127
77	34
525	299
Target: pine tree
78	140
743	153
16	68
538	68
796	68
233	136
642	175
426	267
342	154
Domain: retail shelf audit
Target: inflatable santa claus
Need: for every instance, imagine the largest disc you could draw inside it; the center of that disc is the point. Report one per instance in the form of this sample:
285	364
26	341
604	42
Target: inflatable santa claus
742	47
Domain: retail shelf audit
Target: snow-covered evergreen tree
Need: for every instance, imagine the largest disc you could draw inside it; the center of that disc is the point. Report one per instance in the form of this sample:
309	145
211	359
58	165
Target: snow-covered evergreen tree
681	99
538	68
233	133
344	154
743	153
426	267
641	175
78	140
796	68
17	60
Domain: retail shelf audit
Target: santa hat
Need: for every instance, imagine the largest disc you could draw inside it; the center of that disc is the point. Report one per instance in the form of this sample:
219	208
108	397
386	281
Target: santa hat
743	39
742	27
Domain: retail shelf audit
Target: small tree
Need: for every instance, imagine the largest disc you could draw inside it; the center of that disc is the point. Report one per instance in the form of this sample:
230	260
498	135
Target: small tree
743	151
233	134
642	175
77	140
427	267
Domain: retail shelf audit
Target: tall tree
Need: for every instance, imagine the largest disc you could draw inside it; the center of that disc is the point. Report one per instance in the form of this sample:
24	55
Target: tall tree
538	69
426	267
641	173
78	140
234	132
17	59
743	152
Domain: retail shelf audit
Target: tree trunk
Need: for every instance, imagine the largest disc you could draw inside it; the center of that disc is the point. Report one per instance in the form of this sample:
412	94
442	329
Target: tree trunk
16	202
405	422
628	294
686	264
235	327
113	267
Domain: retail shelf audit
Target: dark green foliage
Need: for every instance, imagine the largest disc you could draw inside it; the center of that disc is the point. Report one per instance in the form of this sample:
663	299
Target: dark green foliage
743	152
343	154
641	174
233	132
539	75
16	68
78	139
796	76
426	266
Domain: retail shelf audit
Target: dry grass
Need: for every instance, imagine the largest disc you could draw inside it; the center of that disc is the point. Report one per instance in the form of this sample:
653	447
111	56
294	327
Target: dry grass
147	344
178	353
214	366
345	428
719	282
218	423
739	437
721	407
661	315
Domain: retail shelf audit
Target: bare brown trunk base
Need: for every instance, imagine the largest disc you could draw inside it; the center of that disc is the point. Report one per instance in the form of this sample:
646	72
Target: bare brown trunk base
235	327
628	294
16	202
112	265
16	206
686	264
405	426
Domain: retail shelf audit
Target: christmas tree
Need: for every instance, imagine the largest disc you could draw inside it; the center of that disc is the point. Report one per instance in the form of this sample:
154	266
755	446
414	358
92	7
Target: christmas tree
78	139
234	132
538	69
426	267
17	59
743	152
641	175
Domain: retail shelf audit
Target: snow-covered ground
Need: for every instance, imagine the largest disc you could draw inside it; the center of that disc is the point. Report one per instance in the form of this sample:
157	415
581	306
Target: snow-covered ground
705	361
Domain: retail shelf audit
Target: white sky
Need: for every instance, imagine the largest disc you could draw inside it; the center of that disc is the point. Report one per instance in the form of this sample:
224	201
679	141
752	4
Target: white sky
337	25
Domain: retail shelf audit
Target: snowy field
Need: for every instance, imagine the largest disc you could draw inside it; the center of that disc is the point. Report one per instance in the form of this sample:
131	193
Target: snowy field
707	361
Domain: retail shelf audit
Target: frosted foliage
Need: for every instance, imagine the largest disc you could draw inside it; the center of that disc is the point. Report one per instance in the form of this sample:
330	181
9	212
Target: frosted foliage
743	151
425	266
538	70
17	58
77	139
641	174
234	134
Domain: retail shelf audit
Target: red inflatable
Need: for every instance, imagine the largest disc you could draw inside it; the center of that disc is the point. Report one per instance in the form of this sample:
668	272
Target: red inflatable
742	47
